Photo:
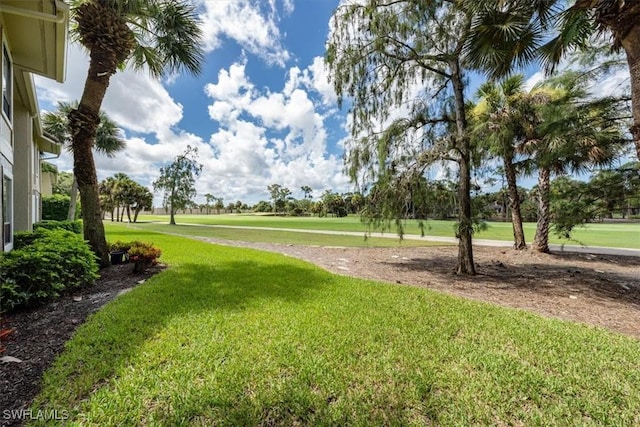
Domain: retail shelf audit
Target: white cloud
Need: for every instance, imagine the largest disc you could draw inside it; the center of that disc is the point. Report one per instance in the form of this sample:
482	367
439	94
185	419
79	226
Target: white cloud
268	137
134	100
316	76
71	90
151	111
615	84
244	21
231	83
533	80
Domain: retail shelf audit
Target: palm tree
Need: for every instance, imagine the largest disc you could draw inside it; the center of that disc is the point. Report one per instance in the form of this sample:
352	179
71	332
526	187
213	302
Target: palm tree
307	191
161	36
566	133
106	190
122	192
108	139
142	199
512	34
498	123
210	198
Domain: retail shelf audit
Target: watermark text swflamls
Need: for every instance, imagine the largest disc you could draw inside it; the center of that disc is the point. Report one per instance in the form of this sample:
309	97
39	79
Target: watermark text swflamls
39	415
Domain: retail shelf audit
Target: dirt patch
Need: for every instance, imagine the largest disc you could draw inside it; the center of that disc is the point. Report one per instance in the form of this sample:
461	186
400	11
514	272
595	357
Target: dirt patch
39	334
594	289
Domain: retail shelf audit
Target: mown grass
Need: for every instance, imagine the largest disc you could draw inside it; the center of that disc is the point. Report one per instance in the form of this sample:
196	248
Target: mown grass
288	237
229	336
624	235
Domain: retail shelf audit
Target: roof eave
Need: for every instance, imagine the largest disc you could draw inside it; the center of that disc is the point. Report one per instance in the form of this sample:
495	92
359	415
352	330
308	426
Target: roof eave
62	34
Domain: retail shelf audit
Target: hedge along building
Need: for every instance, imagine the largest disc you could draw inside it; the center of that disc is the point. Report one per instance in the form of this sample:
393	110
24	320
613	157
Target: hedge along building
34	41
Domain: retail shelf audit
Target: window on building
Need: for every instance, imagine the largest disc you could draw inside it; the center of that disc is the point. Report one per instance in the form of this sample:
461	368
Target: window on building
6	83
7	209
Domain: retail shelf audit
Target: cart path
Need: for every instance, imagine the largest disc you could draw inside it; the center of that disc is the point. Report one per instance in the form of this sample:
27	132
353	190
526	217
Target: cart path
598	250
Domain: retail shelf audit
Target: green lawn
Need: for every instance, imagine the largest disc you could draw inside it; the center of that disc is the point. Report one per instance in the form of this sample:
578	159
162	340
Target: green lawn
612	235
229	336
282	236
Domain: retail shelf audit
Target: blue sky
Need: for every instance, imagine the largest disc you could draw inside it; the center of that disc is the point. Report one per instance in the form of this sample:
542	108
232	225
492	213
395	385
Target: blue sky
261	112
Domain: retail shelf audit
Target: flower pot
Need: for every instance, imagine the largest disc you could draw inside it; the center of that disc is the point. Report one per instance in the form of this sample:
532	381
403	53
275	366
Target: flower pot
117	257
141	265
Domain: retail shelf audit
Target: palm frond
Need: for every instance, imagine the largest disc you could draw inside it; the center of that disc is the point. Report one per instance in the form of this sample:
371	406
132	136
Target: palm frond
168	36
108	137
502	40
575	29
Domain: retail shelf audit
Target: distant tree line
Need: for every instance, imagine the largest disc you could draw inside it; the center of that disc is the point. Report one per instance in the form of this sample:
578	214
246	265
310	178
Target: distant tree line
120	195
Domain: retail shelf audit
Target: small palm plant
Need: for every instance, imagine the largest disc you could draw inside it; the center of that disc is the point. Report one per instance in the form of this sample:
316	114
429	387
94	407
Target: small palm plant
108	140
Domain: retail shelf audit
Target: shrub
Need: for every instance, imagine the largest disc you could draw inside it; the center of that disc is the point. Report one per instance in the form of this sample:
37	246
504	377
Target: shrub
25	238
73	226
143	255
53	261
119	246
55	207
11	295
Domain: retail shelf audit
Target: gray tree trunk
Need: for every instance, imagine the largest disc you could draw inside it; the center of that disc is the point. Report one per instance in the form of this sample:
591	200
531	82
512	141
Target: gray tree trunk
514	204
541	239
71	215
465	246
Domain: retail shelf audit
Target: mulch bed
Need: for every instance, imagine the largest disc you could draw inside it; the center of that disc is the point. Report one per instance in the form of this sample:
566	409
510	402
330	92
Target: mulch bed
39	334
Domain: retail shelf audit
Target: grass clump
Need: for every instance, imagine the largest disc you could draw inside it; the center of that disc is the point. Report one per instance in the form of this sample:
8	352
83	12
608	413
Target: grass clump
230	336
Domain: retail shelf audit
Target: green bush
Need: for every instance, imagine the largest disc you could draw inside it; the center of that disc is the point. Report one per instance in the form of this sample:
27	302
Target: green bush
25	238
143	255
73	226
51	262
11	295
55	207
119	246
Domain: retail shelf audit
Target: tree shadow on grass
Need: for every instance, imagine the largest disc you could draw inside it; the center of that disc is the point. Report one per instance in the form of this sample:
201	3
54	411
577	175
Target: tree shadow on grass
561	277
103	347
237	285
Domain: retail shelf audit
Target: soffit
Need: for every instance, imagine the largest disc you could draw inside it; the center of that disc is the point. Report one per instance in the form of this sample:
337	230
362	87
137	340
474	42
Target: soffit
37	33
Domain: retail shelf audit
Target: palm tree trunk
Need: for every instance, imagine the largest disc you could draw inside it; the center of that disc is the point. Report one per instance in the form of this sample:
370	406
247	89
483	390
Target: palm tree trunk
71	215
631	45
541	239
465	247
85	171
83	123
634	69
514	204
